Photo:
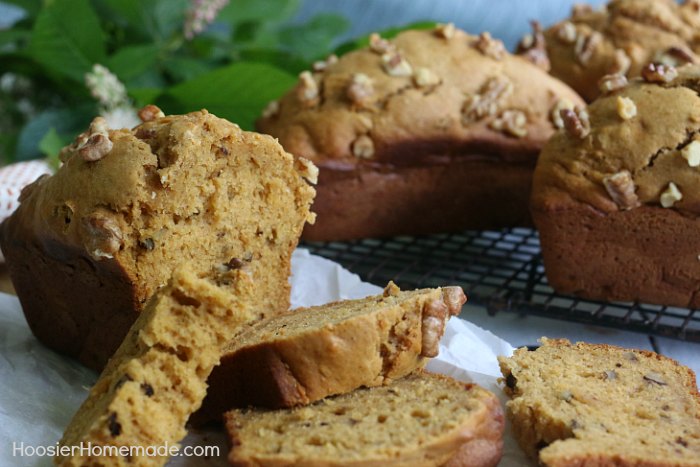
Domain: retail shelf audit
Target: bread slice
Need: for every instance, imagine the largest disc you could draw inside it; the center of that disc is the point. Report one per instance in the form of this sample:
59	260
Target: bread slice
157	377
585	404
311	353
420	420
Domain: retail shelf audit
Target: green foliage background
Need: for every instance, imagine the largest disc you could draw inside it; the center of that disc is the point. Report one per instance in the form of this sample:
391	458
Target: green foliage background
250	55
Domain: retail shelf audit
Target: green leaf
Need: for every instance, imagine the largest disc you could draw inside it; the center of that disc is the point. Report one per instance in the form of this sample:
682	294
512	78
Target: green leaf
185	69
51	144
67	123
130	62
389	33
10	39
313	39
67	38
144	96
236	92
154	19
238	11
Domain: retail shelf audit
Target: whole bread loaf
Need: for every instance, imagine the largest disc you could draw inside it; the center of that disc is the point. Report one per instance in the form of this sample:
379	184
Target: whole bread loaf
616	198
310	353
622	38
89	245
432	131
157	377
422	420
600	405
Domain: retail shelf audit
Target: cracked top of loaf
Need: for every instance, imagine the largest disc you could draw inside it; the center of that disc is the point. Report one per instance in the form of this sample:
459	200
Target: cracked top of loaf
622	37
638	145
423	97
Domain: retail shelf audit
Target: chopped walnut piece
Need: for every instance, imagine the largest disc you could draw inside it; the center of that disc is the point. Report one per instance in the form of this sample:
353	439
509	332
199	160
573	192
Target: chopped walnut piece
425	77
454	298
363	147
511	122
92	145
675	56
150	113
626	108
445	31
611	83
307	90
435	315
566	32
321	65
555	113
533	47
586	46
489	46
379	45
96	147
487	101
657	73
103	236
391	290
271	109
621	63
691	153
670	196
360	90
576	122
307	169
621	189
395	65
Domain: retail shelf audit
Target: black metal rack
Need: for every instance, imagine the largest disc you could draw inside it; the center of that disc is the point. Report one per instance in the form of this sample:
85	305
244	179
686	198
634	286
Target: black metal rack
502	271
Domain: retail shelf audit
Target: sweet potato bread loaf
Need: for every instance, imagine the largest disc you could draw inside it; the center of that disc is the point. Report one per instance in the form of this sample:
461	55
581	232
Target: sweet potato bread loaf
622	38
600	405
431	131
311	353
422	420
157	377
89	245
616	200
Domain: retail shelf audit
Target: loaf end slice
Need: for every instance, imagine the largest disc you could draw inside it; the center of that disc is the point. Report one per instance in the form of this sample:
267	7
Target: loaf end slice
157	377
314	352
420	420
585	404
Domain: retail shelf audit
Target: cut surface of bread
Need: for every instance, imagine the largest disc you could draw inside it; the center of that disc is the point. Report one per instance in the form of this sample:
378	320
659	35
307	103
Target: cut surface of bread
157	377
586	404
420	420
310	353
177	188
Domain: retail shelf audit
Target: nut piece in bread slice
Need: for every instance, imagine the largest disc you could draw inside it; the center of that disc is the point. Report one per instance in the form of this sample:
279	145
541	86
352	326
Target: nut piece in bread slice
157	377
423	419
310	353
587	404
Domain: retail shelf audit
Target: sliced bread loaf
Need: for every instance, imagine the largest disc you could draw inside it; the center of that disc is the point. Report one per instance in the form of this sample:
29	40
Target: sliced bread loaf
157	377
599	405
311	353
420	420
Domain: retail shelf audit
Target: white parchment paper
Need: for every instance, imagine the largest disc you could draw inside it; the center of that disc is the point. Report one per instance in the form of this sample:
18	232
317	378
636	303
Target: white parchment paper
41	390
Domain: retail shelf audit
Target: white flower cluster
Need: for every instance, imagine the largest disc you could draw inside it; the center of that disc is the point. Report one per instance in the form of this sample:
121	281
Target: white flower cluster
115	105
200	14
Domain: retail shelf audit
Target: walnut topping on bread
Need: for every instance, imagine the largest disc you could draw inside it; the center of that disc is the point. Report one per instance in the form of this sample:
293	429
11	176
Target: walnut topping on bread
611	83
445	31
659	73
363	147
92	145
360	90
576	122
307	90
150	113
586	46
626	108
670	196
488	101
511	122
555	113
566	32
379	45
271	109
489	46
621	189
103	236
396	65
533	47
321	65
691	153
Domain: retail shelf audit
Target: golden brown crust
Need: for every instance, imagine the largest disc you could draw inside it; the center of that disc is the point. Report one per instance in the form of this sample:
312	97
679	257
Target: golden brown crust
485	105
88	246
312	353
616	209
597	404
625	36
471	433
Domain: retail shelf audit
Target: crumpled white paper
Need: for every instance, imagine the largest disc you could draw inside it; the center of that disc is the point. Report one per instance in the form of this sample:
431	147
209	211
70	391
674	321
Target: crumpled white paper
41	390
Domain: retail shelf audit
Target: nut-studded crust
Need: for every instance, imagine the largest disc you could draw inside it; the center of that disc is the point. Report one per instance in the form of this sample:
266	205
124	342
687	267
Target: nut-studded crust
280	363
617	210
431	143
622	38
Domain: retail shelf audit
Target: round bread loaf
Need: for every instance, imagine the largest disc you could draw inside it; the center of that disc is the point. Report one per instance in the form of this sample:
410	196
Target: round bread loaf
616	199
622	38
89	245
432	131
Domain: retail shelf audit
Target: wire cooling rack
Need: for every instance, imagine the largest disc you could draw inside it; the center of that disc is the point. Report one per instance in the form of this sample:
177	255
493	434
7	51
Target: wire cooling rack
502	271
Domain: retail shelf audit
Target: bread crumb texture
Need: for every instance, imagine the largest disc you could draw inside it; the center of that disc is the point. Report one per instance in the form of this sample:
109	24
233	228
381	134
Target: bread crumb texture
420	420
586	404
157	377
